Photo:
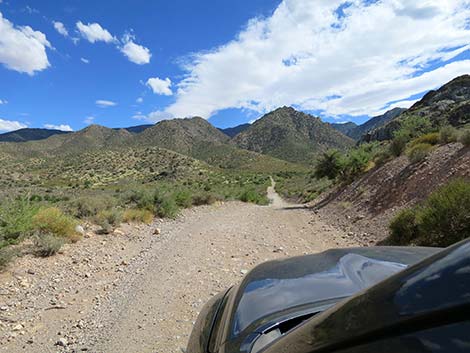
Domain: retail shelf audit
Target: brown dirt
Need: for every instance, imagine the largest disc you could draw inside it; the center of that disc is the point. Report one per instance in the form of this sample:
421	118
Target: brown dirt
140	292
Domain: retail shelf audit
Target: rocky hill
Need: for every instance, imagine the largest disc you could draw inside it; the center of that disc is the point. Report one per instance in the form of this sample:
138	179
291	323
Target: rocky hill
356	132
450	104
291	135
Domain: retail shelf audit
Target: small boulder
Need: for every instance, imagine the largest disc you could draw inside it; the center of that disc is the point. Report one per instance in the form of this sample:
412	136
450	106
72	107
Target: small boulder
79	229
157	231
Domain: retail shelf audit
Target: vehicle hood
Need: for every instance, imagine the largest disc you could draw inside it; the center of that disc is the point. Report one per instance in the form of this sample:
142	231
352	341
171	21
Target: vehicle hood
316	280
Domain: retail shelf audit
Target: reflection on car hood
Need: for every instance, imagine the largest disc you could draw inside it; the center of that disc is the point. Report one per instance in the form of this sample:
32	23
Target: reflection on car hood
277	286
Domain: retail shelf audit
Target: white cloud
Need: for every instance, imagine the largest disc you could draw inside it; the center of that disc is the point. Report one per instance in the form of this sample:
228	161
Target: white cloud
21	48
139	100
93	32
3	101
89	120
9	125
104	103
308	56
59	27
83	60
160	86
136	53
61	127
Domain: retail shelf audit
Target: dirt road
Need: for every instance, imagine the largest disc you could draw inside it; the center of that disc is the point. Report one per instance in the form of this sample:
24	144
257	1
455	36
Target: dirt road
141	292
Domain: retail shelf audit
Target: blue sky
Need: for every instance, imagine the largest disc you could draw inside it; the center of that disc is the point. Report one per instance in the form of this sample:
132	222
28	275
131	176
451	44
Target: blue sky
72	63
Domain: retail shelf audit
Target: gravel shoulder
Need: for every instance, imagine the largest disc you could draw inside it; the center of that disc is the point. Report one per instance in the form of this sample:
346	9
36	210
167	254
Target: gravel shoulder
137	291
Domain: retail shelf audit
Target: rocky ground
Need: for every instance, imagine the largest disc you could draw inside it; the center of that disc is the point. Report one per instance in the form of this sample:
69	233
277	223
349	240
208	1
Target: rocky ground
140	289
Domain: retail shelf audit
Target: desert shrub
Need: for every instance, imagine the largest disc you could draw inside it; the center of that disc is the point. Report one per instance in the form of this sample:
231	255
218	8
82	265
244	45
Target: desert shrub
47	244
88	207
167	207
329	165
418	152
445	218
53	220
253	196
6	256
448	134
183	198
465	137
441	220
398	145
142	199
355	164
16	218
138	216
412	127
203	199
108	220
403	228
432	138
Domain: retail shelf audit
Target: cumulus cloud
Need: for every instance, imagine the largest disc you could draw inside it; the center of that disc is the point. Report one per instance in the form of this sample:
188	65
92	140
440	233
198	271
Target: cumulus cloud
136	53
83	60
21	48
93	32
159	86
9	125
59	27
341	57
139	100
105	103
62	127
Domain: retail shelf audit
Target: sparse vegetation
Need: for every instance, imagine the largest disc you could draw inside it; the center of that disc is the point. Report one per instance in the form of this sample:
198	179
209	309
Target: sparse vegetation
441	220
419	152
47	244
108	220
6	256
465	137
448	134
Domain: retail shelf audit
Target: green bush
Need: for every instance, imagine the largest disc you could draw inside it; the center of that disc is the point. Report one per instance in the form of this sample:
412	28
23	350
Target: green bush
355	164
16	219
412	127
251	195
47	245
447	134
53	220
442	220
432	138
183	198
403	228
167	207
465	137
445	217
138	216
329	165
418	152
398	145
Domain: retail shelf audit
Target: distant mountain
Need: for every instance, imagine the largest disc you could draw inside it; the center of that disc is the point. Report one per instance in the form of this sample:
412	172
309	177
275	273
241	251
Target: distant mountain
291	135
29	134
357	131
232	131
137	129
180	135
450	104
345	128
